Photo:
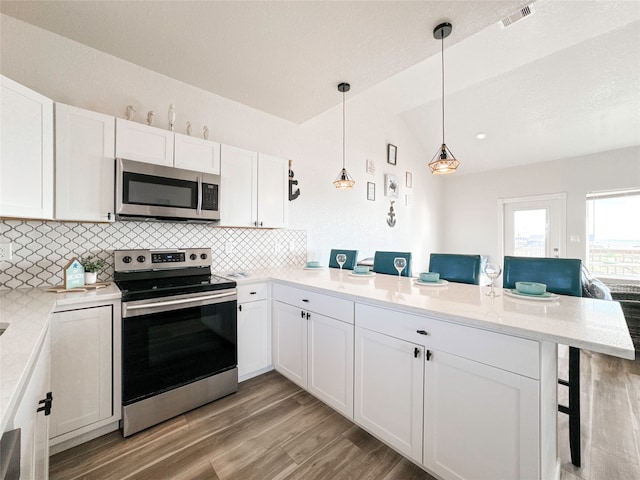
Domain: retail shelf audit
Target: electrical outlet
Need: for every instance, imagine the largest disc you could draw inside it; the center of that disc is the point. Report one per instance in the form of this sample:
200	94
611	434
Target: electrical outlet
6	251
228	247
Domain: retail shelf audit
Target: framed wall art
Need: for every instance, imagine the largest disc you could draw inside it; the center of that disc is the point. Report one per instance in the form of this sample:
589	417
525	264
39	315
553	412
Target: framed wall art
371	191
408	180
392	154
391	186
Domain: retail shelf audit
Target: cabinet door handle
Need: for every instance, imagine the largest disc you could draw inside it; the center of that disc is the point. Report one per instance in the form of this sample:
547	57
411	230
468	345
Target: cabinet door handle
109	216
240	307
422	332
416	352
301	313
46	402
260	223
308	315
428	355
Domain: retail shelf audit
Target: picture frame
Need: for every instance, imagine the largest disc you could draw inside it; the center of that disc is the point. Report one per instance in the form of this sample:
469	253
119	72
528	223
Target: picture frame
408	200
408	180
392	154
371	191
391	186
371	167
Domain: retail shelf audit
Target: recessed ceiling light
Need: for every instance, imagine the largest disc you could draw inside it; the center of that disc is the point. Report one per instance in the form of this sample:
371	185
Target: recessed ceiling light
481	135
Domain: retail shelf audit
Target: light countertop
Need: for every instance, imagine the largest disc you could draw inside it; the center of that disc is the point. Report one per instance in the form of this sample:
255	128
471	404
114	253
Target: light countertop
27	311
590	324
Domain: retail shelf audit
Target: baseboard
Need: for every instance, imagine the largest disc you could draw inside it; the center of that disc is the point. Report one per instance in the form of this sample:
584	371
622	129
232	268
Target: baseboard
85	437
247	376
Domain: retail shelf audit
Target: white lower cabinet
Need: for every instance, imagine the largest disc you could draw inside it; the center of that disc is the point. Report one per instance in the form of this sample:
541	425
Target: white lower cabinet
34	424
85	370
389	390
479	421
313	349
254	331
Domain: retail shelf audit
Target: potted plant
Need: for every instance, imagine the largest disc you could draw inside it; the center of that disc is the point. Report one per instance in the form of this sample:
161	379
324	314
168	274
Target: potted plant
92	265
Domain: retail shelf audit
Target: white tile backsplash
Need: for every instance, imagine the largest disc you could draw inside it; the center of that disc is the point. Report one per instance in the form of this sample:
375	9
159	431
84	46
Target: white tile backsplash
42	248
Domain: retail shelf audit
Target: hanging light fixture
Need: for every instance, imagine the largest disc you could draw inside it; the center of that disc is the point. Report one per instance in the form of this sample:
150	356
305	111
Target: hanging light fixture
344	180
443	161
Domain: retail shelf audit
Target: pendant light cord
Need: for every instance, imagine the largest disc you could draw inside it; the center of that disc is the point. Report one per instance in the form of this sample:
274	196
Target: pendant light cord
343	129
442	57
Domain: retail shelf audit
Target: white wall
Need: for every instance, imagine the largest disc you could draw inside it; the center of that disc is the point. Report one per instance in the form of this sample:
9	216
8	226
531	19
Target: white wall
470	222
71	73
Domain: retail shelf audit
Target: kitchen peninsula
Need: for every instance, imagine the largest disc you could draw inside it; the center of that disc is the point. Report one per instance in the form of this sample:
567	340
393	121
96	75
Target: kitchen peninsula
421	367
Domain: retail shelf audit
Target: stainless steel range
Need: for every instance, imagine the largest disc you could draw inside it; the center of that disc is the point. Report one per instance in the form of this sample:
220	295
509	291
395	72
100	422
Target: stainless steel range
179	334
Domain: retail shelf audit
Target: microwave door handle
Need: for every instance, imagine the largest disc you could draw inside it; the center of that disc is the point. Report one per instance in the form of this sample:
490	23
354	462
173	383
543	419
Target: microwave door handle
199	207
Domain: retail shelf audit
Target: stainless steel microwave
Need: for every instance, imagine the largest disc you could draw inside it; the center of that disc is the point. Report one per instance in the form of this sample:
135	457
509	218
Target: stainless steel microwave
148	191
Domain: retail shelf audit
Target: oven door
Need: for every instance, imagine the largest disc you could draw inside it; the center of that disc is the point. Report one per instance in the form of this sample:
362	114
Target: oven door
170	342
155	191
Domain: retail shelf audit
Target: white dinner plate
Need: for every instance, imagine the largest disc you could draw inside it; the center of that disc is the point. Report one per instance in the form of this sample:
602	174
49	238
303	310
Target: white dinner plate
439	283
362	275
545	297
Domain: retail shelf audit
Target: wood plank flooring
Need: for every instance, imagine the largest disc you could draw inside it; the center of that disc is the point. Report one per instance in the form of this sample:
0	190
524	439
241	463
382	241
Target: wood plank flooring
272	430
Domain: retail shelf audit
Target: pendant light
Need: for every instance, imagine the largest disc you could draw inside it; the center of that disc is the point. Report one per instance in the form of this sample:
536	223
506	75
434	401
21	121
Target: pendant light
443	161
344	180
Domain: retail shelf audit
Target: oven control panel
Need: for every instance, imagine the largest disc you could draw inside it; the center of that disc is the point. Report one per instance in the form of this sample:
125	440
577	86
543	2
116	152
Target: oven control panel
161	259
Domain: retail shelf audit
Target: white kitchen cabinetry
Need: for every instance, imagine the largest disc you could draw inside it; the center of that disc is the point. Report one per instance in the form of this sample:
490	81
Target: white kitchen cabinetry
479	421
389	390
84	166
26	152
477	385
34	424
254	189
313	344
135	141
254	330
85	360
198	154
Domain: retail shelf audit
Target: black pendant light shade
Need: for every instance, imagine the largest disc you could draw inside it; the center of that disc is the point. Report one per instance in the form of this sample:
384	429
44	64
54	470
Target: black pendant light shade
344	180
443	161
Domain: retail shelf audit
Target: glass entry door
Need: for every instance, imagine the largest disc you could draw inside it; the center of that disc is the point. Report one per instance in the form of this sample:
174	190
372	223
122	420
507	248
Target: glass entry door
534	226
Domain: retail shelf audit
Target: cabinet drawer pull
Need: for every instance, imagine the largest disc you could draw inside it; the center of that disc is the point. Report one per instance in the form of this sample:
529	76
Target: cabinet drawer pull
422	332
252	293
306	300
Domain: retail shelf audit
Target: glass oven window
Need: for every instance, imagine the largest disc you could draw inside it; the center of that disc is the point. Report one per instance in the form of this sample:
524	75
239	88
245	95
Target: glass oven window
162	351
139	189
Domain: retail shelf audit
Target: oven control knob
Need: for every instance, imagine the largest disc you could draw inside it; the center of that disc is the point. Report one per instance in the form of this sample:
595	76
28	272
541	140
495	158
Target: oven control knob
126	259
141	258
203	256
193	256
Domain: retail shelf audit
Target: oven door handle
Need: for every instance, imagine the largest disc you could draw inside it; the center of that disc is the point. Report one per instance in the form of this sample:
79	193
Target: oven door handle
181	301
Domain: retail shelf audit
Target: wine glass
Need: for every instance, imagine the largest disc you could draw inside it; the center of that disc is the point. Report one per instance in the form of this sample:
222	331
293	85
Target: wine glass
493	271
341	258
400	263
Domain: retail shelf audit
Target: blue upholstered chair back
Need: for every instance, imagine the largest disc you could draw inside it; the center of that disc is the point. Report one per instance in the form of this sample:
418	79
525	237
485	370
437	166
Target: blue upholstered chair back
561	275
457	268
352	258
383	263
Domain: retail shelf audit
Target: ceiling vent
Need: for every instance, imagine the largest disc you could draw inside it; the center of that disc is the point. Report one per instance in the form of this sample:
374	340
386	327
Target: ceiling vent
516	17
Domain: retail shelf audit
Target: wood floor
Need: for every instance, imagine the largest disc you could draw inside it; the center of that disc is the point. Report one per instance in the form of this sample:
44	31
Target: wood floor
271	429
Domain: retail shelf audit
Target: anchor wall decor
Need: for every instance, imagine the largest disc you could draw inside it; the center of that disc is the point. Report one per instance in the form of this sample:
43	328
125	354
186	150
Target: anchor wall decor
292	195
391	216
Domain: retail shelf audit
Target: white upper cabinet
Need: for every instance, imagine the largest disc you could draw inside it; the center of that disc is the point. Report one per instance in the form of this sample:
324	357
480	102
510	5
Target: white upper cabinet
254	189
273	191
135	141
143	143
84	165
192	153
26	161
238	187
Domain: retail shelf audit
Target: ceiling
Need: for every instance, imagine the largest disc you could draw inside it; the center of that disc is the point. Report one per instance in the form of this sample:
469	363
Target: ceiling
561	82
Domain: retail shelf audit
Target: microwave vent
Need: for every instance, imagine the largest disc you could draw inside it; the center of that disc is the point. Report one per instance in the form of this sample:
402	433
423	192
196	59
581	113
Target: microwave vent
516	17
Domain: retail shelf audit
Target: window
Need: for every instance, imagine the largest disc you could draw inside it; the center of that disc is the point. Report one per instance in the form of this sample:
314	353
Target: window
613	227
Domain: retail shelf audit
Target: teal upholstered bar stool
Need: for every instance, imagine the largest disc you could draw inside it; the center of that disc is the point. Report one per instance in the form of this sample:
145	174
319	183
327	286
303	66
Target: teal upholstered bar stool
564	277
457	268
352	258
383	263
